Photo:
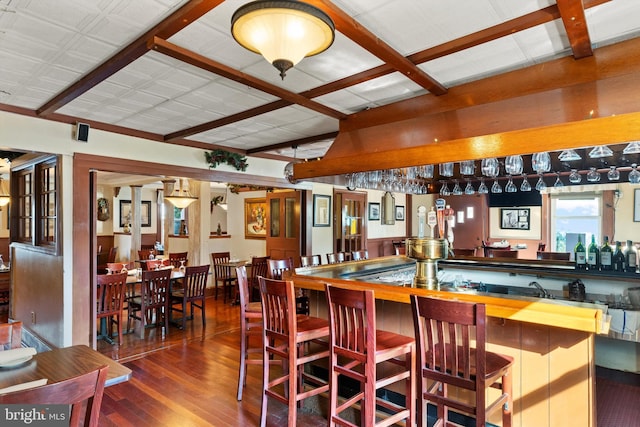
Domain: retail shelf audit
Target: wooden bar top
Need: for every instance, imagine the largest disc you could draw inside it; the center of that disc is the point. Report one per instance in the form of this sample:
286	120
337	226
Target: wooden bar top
63	363
587	317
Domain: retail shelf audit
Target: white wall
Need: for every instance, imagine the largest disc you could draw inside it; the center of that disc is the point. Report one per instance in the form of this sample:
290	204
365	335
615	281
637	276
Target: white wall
377	230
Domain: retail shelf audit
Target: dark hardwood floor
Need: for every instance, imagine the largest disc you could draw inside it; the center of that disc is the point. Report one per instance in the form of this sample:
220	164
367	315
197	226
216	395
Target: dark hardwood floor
189	378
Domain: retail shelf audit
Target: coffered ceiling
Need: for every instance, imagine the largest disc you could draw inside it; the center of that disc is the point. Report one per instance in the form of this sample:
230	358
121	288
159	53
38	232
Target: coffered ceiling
169	70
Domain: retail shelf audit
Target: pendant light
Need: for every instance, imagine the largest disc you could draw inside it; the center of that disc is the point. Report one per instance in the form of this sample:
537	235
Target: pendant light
283	31
288	169
180	197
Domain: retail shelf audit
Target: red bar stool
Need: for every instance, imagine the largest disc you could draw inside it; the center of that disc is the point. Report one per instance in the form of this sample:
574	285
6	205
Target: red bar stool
294	339
439	323
356	350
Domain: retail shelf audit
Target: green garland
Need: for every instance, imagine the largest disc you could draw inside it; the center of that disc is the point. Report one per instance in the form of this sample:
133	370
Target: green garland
216	157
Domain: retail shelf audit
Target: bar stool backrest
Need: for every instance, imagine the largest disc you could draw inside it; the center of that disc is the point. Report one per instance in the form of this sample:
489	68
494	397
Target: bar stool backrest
278	266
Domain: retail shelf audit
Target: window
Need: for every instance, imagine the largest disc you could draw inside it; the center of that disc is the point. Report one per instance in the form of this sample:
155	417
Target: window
35	211
573	216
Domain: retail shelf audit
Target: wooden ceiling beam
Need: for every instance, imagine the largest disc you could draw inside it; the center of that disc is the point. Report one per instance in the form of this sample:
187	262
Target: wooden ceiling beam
512	26
575	25
294	143
202	62
578	134
367	40
184	16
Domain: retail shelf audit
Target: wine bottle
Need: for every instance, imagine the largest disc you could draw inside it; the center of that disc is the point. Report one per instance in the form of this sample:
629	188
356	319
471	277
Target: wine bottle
580	255
619	260
593	255
631	256
606	256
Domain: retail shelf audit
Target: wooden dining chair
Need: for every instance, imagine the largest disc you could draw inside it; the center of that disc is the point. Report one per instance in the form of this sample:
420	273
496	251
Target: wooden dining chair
359	255
176	259
222	274
110	294
335	258
276	269
285	335
152	305
10	335
117	267
113	252
84	394
310	260
357	351
151	264
191	293
451	341
259	267
145	254
250	327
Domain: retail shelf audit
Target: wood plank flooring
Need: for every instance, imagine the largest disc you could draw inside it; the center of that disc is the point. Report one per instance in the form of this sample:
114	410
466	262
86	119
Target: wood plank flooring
189	378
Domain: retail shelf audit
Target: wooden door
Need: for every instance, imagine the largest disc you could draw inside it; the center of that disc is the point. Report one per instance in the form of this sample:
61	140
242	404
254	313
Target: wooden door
283	225
351	221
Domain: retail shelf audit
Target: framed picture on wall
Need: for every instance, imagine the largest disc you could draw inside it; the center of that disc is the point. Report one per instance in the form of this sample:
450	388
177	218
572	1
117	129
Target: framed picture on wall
399	213
374	211
321	210
255	218
145	213
515	219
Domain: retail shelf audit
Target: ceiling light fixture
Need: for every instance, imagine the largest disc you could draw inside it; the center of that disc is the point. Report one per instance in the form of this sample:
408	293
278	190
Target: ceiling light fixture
288	169
180	197
5	196
283	31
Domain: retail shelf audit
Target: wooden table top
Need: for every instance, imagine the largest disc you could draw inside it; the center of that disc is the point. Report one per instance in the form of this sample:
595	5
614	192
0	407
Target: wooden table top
63	363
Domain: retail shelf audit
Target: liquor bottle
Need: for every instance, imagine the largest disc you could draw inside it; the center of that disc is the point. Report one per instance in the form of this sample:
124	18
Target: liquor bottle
580	255
606	256
631	256
619	260
593	255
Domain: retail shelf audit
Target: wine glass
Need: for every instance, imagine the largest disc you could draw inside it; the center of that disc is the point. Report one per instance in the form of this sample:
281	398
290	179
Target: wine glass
457	191
444	190
558	183
467	167
593	175
446	169
540	185
482	189
513	165
541	162
575	177
613	174
634	175
510	187
490	167
525	186
469	190
496	187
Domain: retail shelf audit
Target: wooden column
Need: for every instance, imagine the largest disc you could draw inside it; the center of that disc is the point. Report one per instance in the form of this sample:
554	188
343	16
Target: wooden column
136	229
167	186
193	223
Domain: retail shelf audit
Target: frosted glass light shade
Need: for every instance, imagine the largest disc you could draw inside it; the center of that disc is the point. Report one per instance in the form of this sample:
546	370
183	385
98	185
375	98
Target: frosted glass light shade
283	31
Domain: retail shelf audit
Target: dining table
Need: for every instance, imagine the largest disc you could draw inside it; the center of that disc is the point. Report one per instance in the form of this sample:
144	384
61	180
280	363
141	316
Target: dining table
232	264
62	363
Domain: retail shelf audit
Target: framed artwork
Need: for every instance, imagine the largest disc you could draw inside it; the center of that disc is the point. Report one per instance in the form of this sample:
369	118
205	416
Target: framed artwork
145	213
374	211
321	210
399	213
255	218
636	205
515	219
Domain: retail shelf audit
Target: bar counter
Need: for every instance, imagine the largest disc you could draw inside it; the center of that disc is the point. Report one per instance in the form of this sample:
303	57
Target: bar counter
552	342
